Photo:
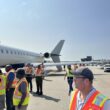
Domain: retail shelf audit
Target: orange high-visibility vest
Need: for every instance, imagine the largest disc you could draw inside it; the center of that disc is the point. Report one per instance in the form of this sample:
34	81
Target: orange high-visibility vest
38	72
95	102
15	79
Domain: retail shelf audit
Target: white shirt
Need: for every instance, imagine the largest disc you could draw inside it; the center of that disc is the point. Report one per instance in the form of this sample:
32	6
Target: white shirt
81	103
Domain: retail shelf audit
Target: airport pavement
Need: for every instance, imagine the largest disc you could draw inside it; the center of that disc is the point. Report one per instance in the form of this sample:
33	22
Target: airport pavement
56	91
55	94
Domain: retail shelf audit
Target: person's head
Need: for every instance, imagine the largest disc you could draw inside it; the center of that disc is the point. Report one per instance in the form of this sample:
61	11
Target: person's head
83	78
28	65
69	67
39	66
75	67
20	73
8	68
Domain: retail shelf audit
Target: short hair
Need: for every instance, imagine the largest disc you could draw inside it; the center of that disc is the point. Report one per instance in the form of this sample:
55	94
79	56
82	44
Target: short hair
21	72
8	68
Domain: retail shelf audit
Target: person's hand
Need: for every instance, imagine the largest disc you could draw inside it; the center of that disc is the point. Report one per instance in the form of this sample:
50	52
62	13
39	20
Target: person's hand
19	106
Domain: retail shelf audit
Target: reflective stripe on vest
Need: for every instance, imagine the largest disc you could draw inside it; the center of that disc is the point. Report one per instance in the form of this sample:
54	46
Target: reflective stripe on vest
17	94
99	100
15	79
95	102
73	101
2	84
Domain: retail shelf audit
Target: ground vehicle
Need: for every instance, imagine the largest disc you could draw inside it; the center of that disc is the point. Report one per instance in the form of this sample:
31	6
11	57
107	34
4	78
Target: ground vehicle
107	68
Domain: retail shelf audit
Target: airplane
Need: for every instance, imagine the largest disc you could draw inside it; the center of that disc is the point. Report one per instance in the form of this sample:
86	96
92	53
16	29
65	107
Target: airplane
18	57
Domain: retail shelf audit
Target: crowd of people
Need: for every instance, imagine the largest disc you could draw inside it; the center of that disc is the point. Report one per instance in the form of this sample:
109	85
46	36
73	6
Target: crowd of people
16	85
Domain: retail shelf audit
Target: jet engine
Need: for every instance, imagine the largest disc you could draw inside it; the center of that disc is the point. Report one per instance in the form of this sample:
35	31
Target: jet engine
47	55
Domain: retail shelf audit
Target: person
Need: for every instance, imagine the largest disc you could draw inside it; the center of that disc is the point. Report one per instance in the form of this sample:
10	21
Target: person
86	97
10	86
39	79
2	90
43	70
64	67
29	75
75	67
69	75
21	92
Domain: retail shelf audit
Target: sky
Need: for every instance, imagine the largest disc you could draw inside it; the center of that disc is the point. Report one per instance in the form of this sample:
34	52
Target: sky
38	25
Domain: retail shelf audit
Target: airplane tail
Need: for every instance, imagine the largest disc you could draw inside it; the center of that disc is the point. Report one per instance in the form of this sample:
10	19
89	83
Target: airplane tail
58	47
56	53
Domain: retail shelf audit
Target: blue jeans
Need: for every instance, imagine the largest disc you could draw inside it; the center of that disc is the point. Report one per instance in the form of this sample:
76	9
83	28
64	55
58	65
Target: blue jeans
70	82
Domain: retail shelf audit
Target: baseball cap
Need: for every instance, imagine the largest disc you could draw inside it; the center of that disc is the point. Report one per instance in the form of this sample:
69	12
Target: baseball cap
85	72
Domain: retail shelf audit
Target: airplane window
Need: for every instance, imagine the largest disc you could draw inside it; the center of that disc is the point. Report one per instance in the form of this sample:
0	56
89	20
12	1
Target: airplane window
11	52
6	51
1	50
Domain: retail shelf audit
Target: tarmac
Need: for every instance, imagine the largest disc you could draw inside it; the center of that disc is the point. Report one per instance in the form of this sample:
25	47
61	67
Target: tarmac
55	94
55	90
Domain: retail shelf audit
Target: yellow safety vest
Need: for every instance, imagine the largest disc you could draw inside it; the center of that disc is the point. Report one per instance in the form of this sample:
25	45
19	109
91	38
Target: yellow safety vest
69	73
2	84
15	79
17	94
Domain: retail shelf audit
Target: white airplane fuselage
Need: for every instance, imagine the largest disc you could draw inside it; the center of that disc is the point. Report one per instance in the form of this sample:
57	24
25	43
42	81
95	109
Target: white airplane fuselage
10	55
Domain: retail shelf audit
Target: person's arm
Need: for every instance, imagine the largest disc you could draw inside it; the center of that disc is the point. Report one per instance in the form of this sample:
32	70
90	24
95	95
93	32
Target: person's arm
23	90
10	79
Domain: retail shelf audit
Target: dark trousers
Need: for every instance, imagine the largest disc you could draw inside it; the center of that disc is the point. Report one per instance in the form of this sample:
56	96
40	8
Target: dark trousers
29	80
70	82
39	82
9	99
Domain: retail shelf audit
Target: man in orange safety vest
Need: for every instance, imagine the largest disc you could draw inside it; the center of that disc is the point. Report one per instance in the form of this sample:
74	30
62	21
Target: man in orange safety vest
86	97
